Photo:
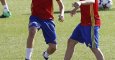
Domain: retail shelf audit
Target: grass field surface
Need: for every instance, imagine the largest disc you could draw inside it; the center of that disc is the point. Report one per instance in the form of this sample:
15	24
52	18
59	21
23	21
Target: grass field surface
14	32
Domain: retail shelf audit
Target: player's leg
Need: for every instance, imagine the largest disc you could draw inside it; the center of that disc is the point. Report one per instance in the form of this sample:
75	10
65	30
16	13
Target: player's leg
3	2
50	50
73	40
6	12
29	48
32	32
94	45
70	49
49	33
33	27
97	52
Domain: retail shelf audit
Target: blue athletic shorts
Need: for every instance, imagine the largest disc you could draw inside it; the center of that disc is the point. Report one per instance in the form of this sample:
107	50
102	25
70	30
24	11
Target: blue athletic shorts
86	34
47	26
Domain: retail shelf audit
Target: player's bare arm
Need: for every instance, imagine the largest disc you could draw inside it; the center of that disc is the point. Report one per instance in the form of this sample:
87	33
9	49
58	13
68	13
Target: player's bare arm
61	8
76	5
73	12
86	2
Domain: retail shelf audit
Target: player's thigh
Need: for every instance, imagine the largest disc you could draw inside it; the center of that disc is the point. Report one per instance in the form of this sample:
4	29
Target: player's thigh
49	33
77	34
34	22
91	36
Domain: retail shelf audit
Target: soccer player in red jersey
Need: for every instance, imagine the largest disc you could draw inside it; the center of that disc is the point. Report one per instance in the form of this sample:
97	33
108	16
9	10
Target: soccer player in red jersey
42	18
88	30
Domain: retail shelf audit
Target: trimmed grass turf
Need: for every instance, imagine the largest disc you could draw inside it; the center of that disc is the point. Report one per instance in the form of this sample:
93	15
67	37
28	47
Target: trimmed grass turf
14	31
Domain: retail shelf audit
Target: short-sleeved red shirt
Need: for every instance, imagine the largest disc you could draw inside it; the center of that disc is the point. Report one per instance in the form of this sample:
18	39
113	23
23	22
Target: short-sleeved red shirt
42	9
89	15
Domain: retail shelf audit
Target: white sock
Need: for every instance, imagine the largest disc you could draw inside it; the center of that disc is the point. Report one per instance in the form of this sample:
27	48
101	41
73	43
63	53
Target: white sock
46	54
6	8
28	53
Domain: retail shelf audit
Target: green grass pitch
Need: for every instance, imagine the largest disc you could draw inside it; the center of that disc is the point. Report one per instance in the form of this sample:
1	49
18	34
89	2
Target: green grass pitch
14	31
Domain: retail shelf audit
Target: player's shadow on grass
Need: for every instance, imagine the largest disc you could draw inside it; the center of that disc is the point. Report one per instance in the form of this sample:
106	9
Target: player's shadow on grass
66	12
111	9
55	12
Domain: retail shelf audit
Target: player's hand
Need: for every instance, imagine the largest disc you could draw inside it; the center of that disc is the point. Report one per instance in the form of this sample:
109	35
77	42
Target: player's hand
60	18
73	12
76	4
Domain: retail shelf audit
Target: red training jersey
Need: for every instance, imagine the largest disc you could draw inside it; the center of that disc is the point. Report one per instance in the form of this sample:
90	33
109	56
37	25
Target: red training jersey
89	14
42	9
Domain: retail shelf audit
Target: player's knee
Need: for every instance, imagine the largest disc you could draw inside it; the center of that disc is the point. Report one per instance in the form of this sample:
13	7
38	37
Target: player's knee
32	32
71	43
53	47
95	50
